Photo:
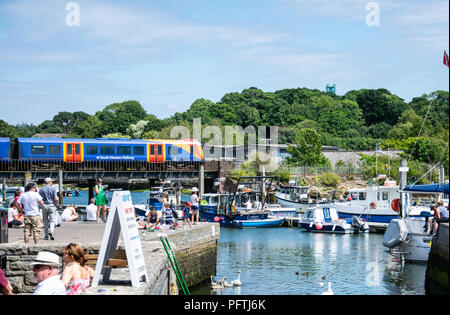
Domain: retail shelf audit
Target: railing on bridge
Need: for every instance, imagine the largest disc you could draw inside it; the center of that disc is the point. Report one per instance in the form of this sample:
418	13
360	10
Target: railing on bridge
98	166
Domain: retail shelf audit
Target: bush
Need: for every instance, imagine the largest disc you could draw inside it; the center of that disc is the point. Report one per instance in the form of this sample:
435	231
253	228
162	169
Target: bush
329	179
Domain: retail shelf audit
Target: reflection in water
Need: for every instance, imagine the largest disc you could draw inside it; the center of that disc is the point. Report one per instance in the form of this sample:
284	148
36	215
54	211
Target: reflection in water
290	261
273	260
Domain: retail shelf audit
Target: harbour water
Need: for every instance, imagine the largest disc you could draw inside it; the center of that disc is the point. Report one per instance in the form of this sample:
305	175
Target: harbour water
274	261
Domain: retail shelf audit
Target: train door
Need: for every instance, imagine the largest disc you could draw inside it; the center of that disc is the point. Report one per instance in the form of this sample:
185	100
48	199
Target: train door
155	153
73	152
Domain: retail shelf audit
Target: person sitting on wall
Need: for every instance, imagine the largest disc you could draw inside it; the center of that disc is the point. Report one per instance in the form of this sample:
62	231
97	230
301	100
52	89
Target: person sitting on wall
152	219
69	214
13	213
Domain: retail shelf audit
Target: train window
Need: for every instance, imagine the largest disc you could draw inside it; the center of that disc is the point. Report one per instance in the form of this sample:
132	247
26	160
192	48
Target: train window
54	149
180	150
138	150
77	148
105	150
91	150
124	150
38	149
159	149
152	150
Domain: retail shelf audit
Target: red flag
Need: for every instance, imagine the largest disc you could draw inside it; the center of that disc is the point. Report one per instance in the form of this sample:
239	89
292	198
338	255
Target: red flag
446	61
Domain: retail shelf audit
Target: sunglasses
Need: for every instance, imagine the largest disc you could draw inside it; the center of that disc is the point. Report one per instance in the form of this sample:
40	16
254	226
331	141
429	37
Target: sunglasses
37	267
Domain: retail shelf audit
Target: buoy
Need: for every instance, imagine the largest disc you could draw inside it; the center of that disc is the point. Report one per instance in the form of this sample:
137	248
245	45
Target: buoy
395	205
216	219
373	205
319	226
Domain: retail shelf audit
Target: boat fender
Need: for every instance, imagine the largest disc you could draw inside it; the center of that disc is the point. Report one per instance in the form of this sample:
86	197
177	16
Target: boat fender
373	205
395	204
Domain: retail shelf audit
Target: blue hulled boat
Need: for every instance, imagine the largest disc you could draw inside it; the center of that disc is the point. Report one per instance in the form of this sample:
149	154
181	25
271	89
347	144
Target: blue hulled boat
242	209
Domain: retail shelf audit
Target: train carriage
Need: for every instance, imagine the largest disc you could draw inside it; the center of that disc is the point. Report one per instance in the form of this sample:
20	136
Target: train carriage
5	149
104	149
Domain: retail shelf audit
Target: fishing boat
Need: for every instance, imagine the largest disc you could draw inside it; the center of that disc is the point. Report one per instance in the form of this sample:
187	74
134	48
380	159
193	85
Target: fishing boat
294	196
410	236
241	209
326	219
373	203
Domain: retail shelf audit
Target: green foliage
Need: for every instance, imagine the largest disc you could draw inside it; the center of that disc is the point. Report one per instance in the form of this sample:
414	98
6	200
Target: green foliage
6	130
329	179
307	150
378	105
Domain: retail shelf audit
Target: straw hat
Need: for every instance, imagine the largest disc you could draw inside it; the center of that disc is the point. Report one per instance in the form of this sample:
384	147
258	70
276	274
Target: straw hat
194	189
46	258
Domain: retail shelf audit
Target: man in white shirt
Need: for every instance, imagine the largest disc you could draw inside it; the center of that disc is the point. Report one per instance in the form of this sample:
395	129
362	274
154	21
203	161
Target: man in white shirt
31	200
46	273
91	211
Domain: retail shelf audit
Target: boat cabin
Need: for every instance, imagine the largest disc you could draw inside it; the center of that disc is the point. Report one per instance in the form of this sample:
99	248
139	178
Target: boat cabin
321	214
294	193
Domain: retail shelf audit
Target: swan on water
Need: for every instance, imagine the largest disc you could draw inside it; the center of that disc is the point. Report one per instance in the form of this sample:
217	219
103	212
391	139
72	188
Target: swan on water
226	284
237	282
329	292
216	285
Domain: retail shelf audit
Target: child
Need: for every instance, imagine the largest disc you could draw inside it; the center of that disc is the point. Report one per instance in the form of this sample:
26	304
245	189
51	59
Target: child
186	212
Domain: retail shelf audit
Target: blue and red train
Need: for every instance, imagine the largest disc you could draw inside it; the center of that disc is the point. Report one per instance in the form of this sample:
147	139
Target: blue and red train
100	149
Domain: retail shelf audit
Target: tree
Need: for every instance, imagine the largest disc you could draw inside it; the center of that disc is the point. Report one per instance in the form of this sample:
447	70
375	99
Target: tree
118	117
378	105
136	130
6	130
307	149
88	128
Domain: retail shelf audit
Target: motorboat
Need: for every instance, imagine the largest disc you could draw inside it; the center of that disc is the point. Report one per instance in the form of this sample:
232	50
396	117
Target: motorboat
154	200
373	203
242	209
326	219
409	234
294	196
9	189
279	211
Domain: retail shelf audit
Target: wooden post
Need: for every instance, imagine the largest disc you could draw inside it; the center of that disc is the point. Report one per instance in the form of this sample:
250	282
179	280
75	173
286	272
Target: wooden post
201	180
27	179
91	188
60	185
4	188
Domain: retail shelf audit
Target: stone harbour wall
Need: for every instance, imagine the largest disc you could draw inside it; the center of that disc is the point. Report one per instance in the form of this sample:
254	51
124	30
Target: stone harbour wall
195	250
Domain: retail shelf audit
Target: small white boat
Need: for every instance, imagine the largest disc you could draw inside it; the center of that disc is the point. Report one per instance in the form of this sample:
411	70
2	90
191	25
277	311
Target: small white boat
326	219
281	212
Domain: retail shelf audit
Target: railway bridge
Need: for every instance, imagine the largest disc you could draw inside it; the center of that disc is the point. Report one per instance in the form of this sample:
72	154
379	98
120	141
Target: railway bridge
134	174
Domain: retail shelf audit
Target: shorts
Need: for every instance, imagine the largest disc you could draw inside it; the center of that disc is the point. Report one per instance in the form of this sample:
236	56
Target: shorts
32	223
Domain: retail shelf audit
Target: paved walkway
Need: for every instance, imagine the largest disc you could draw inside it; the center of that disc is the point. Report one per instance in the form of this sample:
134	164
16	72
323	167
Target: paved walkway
82	232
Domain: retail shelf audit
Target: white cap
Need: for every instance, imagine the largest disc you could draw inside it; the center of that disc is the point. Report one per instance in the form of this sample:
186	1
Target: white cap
194	189
48	179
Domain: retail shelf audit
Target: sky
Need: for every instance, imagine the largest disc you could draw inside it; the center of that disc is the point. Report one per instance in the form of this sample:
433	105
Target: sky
58	55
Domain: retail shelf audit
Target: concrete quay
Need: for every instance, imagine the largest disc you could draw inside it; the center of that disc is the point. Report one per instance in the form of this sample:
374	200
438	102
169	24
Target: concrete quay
195	249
